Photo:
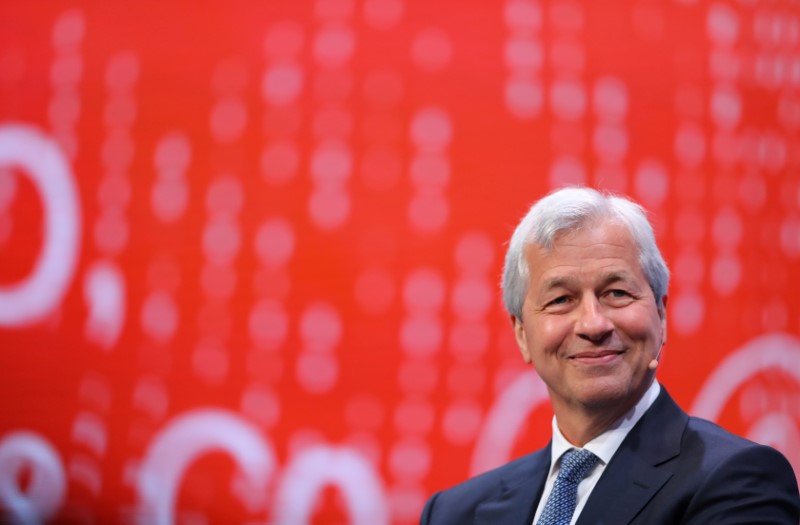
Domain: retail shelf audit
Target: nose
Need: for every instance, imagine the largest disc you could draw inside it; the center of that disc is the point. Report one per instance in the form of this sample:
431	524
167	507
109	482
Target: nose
592	324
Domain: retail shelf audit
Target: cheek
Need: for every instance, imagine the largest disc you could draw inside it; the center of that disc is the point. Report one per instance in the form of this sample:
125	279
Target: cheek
550	333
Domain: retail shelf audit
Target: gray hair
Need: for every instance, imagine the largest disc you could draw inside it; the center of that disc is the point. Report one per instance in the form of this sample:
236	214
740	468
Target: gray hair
568	209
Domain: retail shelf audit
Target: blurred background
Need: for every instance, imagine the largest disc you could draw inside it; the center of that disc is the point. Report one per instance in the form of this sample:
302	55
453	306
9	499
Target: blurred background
250	255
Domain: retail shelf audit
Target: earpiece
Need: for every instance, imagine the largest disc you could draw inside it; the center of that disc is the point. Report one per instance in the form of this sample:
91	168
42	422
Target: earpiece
653	364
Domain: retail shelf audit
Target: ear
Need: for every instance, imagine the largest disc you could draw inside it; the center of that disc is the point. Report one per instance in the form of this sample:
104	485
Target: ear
663	312
522	342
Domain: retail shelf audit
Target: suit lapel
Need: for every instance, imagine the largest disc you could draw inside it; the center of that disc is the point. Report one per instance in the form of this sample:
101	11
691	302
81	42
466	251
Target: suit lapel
518	494
637	470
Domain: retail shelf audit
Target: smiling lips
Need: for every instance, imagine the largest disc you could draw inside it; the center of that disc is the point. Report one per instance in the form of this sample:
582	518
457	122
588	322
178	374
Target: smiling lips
599	357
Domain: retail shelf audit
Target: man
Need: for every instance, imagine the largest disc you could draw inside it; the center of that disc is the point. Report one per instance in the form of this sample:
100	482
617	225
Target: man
586	288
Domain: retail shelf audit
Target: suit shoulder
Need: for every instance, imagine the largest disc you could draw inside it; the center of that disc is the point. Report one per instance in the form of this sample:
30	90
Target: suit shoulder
466	495
719	445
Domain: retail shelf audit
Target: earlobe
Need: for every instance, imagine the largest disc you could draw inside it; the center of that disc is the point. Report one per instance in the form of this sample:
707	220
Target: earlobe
522	342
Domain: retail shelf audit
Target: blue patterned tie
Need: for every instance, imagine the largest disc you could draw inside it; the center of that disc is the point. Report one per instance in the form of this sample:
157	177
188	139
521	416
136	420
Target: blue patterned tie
575	464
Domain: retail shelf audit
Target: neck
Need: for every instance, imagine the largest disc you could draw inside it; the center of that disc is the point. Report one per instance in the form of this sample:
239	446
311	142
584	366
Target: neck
580	424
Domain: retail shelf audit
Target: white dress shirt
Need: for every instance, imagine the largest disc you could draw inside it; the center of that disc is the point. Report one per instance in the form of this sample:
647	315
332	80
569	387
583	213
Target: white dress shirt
603	446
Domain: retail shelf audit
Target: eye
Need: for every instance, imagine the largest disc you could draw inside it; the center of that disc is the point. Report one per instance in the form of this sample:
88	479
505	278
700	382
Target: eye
618	293
563	299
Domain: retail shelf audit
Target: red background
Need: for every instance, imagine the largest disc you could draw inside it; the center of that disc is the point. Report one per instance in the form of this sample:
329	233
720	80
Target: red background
295	213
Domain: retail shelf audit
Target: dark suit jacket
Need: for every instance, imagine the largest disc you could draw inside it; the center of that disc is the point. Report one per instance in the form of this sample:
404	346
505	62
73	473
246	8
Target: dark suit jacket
670	469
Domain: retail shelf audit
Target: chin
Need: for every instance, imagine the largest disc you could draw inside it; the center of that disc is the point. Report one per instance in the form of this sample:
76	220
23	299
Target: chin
605	393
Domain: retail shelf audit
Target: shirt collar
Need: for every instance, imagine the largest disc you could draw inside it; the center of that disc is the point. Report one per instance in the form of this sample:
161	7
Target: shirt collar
606	444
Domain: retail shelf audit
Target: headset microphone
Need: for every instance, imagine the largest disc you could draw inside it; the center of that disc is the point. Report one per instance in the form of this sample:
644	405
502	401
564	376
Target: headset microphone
654	363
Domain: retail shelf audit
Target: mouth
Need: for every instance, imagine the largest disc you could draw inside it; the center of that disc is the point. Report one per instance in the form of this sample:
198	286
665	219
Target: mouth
597	357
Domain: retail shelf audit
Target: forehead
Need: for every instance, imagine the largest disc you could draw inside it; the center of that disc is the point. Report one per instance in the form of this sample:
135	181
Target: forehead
594	248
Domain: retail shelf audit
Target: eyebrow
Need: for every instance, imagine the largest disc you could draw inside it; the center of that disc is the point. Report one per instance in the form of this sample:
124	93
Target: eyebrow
604	280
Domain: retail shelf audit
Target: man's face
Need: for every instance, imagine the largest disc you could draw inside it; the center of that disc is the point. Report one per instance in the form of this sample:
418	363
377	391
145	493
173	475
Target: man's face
590	324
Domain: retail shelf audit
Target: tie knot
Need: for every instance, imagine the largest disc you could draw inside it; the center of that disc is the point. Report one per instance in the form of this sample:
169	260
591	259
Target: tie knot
576	463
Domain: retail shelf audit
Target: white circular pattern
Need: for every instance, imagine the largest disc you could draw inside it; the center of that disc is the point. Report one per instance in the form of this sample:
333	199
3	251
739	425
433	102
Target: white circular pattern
523	15
651	183
726	274
321	327
774	315
334	45
690	145
568	54
727	228
567	171
268	324
414	416
405	500
474	253
225	196
122	71
65	109
280	161
168	199
431	49
261	405
689	267
461	422
421	336
568	99
329	208
524	97
274	242
111	231
790	237
430	171
221	240
120	112
317	373
210	362
726	107
610	98
331	163
722	25
610	142
687	312
431	129
383	14
151	396
282	84
424	291
117	150
428	211
410	459
42	160
160	316
523	52
228	120
417	377
472	298
8	187
173	154
753	191
69	29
